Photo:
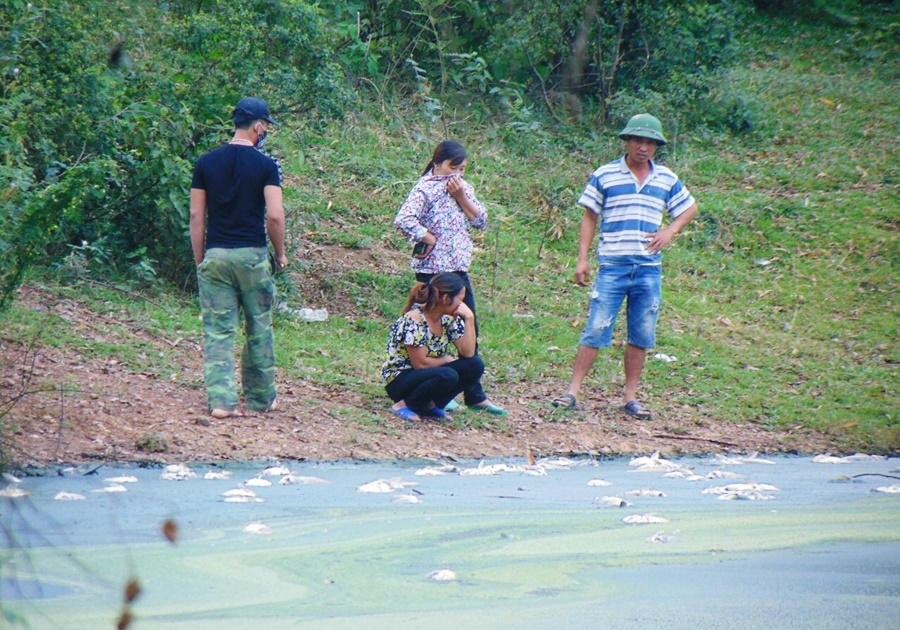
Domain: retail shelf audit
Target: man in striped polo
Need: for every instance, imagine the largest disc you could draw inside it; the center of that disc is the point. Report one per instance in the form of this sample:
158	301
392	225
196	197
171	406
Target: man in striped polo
628	197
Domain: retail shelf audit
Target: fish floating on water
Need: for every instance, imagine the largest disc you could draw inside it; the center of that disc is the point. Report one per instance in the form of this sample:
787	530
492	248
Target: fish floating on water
177	472
13	491
406	499
892	489
257	528
258	482
655	463
443	575
223	474
276	471
745	491
828	458
383	486
661	537
599	483
612	502
241	495
113	487
737	460
644	518
123	479
723	474
293	479
433	471
645	492
69	496
745	496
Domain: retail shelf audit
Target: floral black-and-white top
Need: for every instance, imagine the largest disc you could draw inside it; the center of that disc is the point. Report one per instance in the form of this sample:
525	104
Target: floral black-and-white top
406	331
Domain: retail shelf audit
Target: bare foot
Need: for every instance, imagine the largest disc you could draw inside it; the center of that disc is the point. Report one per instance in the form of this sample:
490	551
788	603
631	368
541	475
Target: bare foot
224	413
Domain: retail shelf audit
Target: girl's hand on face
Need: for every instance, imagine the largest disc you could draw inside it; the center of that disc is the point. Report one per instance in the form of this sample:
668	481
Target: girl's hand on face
464	311
455	188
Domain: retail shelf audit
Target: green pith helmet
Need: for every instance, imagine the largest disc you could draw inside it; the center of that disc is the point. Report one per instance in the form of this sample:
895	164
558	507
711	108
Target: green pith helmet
645	126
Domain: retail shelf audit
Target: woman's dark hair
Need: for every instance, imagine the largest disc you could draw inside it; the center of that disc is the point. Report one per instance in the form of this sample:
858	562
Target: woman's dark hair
430	293
447	150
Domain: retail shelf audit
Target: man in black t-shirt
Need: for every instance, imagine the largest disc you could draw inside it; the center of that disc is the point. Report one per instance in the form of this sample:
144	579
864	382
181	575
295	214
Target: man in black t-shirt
236	201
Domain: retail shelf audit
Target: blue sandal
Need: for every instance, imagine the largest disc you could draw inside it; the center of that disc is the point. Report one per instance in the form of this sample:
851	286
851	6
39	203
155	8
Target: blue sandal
407	414
436	412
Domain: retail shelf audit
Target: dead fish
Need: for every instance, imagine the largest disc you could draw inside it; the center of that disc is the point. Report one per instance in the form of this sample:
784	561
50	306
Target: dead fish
292	479
177	472
11	479
224	474
242	499
257	528
644	518
892	489
406	499
599	483
612	502
741	488
555	463
114	487
745	496
534	471
433	471
645	492
239	492
385	485
276	471
655	463
484	469
723	474
661	537
750	458
443	575
12	491
258	482
828	458
124	479
69	496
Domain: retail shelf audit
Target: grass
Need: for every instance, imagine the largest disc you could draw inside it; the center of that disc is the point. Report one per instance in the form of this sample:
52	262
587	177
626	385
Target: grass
779	300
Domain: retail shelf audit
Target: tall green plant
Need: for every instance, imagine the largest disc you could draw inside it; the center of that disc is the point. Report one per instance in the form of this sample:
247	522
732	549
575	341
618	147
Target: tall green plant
120	97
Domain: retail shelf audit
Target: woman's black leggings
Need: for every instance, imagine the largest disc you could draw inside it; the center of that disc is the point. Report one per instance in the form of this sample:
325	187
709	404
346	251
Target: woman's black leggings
439	385
474	394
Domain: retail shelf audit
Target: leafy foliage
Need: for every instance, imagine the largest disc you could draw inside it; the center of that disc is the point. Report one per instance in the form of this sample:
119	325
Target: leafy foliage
107	104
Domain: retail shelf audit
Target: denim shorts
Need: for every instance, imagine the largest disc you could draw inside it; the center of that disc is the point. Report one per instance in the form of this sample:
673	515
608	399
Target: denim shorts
640	284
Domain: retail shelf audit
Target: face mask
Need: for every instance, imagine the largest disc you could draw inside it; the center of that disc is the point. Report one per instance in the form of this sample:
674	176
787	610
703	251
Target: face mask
261	139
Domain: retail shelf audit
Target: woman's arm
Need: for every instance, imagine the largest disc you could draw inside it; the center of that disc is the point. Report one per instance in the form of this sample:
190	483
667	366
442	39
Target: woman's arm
418	356
408	219
471	207
467	344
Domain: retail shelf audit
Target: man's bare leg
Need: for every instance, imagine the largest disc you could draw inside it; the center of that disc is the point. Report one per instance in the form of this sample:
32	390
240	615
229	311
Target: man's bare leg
634	365
584	361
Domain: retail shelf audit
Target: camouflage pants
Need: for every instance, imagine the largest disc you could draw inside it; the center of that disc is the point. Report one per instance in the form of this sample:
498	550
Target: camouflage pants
230	280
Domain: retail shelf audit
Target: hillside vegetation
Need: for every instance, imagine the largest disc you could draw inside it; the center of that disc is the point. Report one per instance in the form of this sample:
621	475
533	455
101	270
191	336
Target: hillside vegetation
780	300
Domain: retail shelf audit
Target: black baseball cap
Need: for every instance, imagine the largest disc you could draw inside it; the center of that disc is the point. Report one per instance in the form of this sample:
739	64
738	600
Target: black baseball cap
251	108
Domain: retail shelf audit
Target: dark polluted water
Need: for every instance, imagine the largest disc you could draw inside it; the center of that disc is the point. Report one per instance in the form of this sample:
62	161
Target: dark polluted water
783	542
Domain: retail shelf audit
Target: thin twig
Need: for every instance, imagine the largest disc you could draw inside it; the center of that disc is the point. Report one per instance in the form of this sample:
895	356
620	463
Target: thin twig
696	439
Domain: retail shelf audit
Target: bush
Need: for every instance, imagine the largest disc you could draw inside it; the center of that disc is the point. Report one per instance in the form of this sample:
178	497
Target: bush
106	105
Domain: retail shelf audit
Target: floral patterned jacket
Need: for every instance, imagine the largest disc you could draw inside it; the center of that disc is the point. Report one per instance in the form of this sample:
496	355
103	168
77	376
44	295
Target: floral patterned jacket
406	331
430	208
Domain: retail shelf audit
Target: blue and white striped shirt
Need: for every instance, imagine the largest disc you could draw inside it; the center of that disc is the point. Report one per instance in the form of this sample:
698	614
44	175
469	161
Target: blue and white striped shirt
629	211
